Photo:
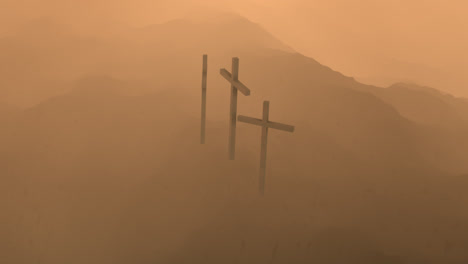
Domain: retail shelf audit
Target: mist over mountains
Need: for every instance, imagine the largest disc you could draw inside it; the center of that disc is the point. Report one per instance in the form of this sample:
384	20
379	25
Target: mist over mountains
101	162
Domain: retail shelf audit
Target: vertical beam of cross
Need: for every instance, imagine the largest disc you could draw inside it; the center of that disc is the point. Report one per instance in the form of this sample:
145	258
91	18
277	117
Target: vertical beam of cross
236	85
263	150
265	123
233	109
203	104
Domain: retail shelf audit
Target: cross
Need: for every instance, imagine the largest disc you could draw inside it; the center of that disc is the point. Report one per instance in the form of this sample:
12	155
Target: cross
265	124
203	104
235	85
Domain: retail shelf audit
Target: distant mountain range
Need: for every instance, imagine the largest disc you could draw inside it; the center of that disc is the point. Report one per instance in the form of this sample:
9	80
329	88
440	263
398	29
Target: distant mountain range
107	153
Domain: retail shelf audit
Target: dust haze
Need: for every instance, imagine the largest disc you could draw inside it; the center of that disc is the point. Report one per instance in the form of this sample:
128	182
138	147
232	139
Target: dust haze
101	161
378	43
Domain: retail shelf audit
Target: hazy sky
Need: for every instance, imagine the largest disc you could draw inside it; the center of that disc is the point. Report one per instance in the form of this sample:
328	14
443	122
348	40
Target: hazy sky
420	40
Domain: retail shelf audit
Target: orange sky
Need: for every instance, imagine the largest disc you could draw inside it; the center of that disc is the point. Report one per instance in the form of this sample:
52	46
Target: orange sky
375	41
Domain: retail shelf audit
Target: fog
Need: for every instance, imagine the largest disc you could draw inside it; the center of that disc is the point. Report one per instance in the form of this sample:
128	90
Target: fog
377	42
101	161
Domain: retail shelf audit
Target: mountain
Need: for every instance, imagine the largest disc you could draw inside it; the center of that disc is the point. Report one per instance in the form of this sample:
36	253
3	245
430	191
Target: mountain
112	165
222	33
425	104
443	119
45	55
40	58
138	156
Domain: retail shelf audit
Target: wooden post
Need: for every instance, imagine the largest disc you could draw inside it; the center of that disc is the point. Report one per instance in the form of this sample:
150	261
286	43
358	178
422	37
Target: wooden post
233	109
203	104
263	150
236	85
265	124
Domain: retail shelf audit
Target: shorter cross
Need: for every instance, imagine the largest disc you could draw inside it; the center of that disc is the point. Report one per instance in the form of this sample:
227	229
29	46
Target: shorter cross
235	85
265	124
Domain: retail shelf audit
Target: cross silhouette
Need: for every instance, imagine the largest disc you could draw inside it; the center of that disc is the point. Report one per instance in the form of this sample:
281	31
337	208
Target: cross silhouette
233	79
265	124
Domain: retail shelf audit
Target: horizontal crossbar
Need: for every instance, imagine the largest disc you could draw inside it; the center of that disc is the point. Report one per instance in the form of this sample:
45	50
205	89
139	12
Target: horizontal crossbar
237	84
260	122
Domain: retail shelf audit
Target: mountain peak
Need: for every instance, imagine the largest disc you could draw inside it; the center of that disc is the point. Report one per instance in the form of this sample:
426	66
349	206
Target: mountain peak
214	32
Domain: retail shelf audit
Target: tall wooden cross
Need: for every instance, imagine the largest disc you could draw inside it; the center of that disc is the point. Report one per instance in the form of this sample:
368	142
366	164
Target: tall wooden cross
203	104
235	85
265	124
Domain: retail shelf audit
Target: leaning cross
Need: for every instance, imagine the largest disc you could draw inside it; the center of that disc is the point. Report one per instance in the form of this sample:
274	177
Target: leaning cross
235	85
265	124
